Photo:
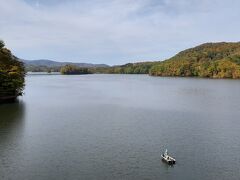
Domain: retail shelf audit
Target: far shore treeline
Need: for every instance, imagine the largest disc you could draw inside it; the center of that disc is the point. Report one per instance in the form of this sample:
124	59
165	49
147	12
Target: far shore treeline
211	60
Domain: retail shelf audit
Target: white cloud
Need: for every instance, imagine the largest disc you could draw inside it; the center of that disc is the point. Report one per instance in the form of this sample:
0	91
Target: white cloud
114	31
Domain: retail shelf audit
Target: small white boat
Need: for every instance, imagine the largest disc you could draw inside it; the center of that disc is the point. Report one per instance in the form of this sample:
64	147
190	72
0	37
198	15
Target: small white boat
168	159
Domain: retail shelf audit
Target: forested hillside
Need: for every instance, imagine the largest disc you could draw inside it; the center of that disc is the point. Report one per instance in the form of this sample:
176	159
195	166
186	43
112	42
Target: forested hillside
214	60
130	68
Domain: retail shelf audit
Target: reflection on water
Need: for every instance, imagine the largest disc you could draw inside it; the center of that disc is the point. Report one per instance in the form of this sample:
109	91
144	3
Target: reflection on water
11	118
11	129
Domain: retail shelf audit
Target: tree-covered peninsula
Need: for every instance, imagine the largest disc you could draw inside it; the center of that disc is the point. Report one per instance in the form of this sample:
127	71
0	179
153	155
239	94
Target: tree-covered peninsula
12	74
213	60
74	70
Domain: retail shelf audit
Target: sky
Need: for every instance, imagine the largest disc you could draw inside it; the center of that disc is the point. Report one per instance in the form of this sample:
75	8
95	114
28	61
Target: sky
114	31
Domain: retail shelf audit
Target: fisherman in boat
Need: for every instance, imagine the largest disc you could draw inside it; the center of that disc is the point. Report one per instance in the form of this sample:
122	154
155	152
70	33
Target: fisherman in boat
167	158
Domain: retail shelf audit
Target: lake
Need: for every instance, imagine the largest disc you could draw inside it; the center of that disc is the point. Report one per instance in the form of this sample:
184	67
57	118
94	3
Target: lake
116	127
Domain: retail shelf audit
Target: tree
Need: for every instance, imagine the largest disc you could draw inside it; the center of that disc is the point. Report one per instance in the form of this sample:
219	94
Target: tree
1	44
12	74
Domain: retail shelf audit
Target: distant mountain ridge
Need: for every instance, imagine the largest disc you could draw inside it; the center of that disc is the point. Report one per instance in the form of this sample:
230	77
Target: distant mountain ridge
50	63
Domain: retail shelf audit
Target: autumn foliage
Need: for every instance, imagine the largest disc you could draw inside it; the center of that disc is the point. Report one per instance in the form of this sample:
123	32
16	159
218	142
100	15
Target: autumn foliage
73	69
213	60
12	74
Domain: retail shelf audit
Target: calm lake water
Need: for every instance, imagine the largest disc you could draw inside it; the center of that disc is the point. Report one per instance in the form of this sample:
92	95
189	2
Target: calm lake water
111	127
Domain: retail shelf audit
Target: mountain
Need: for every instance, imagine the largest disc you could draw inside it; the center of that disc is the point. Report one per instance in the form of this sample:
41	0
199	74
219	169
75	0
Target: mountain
213	60
50	63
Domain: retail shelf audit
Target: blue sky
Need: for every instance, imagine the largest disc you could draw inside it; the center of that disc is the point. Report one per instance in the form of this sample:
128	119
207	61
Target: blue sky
114	31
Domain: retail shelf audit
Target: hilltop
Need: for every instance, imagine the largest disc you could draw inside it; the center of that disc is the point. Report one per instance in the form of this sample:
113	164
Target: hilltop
213	60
